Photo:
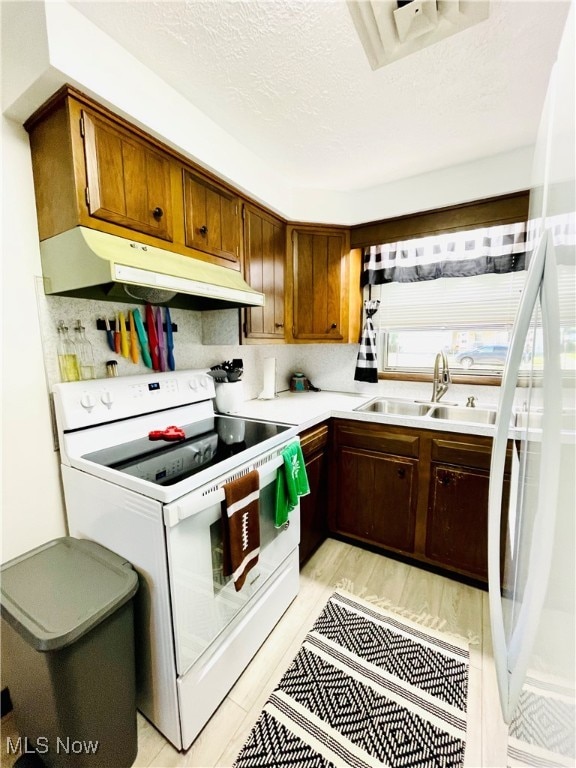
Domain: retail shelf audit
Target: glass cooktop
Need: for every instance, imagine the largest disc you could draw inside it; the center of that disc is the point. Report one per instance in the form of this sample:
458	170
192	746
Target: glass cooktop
206	443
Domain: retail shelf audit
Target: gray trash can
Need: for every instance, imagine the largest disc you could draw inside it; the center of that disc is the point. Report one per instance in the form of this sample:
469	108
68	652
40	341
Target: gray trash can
68	653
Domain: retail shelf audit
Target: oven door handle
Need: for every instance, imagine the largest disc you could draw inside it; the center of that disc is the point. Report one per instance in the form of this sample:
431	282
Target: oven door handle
194	503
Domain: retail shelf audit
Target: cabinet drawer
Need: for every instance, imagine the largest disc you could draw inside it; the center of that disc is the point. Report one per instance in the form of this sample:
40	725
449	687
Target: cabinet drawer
377	437
461	450
314	439
467	451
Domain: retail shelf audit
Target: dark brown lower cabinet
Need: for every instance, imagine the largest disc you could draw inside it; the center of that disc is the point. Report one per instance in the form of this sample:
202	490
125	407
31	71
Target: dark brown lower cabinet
376	497
457	524
415	492
313	507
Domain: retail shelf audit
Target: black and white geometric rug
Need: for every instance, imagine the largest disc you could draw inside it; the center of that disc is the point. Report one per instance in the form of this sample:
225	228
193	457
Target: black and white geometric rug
367	688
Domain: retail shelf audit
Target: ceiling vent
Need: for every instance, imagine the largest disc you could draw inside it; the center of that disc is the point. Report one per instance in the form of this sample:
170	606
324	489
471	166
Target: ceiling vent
392	29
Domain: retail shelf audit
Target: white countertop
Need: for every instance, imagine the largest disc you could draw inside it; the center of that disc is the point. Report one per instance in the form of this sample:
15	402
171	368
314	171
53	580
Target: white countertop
305	409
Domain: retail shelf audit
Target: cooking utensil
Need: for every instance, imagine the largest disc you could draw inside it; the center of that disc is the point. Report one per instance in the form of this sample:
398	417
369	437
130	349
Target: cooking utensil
152	338
109	335
169	340
232	368
142	338
160	335
123	335
117	345
218	374
133	342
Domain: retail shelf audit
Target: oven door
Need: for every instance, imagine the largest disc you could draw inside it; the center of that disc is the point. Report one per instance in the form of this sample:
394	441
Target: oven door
204	601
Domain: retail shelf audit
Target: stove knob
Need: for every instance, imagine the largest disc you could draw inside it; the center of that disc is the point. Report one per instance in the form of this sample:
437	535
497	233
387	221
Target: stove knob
203	382
193	384
87	401
106	398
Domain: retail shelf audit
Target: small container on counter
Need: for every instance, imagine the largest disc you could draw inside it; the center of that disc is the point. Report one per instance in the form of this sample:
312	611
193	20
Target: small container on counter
111	368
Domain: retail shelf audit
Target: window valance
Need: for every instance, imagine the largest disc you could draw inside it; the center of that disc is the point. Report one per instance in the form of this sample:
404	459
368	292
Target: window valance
489	250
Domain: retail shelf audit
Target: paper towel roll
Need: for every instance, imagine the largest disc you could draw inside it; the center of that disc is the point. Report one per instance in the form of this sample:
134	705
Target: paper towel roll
269	387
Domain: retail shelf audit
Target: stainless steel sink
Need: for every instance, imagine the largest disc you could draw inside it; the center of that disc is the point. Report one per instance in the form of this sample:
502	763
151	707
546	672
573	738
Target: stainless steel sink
451	413
397	407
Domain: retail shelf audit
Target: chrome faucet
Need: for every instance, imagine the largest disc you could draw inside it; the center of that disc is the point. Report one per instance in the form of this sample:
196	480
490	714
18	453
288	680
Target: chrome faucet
441	378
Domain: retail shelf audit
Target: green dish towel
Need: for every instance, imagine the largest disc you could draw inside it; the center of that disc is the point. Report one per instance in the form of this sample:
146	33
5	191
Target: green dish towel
291	482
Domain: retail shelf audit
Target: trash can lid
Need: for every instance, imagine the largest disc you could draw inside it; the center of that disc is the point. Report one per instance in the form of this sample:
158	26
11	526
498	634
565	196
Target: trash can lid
57	592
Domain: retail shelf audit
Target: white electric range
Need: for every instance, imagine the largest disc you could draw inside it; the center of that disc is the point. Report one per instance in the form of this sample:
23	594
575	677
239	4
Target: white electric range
153	495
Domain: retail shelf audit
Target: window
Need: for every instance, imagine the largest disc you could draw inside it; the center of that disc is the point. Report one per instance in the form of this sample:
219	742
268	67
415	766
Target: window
457	292
469	314
469	318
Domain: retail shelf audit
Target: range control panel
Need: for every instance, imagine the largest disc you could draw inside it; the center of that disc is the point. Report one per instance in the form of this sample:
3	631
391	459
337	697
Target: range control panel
81	404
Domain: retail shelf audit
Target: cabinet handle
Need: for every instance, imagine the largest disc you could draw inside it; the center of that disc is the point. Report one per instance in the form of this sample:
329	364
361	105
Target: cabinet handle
279	325
401	473
203	230
334	325
157	213
446	478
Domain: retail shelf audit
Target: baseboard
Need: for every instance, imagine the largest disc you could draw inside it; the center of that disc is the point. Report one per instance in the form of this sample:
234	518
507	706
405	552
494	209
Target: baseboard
6	702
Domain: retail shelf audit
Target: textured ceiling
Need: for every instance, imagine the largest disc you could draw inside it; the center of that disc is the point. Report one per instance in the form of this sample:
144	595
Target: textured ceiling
289	79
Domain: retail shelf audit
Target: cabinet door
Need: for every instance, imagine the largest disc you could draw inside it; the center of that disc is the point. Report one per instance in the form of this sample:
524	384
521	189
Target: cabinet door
264	259
212	219
313	513
376	497
128	180
457	530
318	277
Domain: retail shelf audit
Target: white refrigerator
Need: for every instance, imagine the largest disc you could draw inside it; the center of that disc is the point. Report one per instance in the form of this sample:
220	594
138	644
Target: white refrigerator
532	579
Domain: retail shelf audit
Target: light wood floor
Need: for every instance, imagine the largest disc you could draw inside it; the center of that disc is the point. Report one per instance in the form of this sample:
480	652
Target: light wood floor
462	609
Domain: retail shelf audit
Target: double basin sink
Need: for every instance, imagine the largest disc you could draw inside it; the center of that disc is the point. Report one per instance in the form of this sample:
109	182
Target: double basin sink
391	406
457	413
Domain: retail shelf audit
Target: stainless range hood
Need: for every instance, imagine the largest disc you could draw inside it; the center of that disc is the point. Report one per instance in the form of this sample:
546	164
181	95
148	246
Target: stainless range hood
90	264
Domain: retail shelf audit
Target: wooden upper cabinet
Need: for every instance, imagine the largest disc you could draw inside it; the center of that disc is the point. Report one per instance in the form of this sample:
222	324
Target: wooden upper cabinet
212	218
320	284
264	267
128	182
94	169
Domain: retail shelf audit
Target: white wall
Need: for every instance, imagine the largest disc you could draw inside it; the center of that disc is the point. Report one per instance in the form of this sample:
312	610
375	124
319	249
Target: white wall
63	47
32	509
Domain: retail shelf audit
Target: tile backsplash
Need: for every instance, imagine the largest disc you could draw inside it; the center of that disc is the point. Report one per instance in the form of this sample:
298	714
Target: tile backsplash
202	340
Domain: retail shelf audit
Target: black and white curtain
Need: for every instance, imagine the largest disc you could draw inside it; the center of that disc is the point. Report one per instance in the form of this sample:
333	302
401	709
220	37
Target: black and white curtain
497	249
366	363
